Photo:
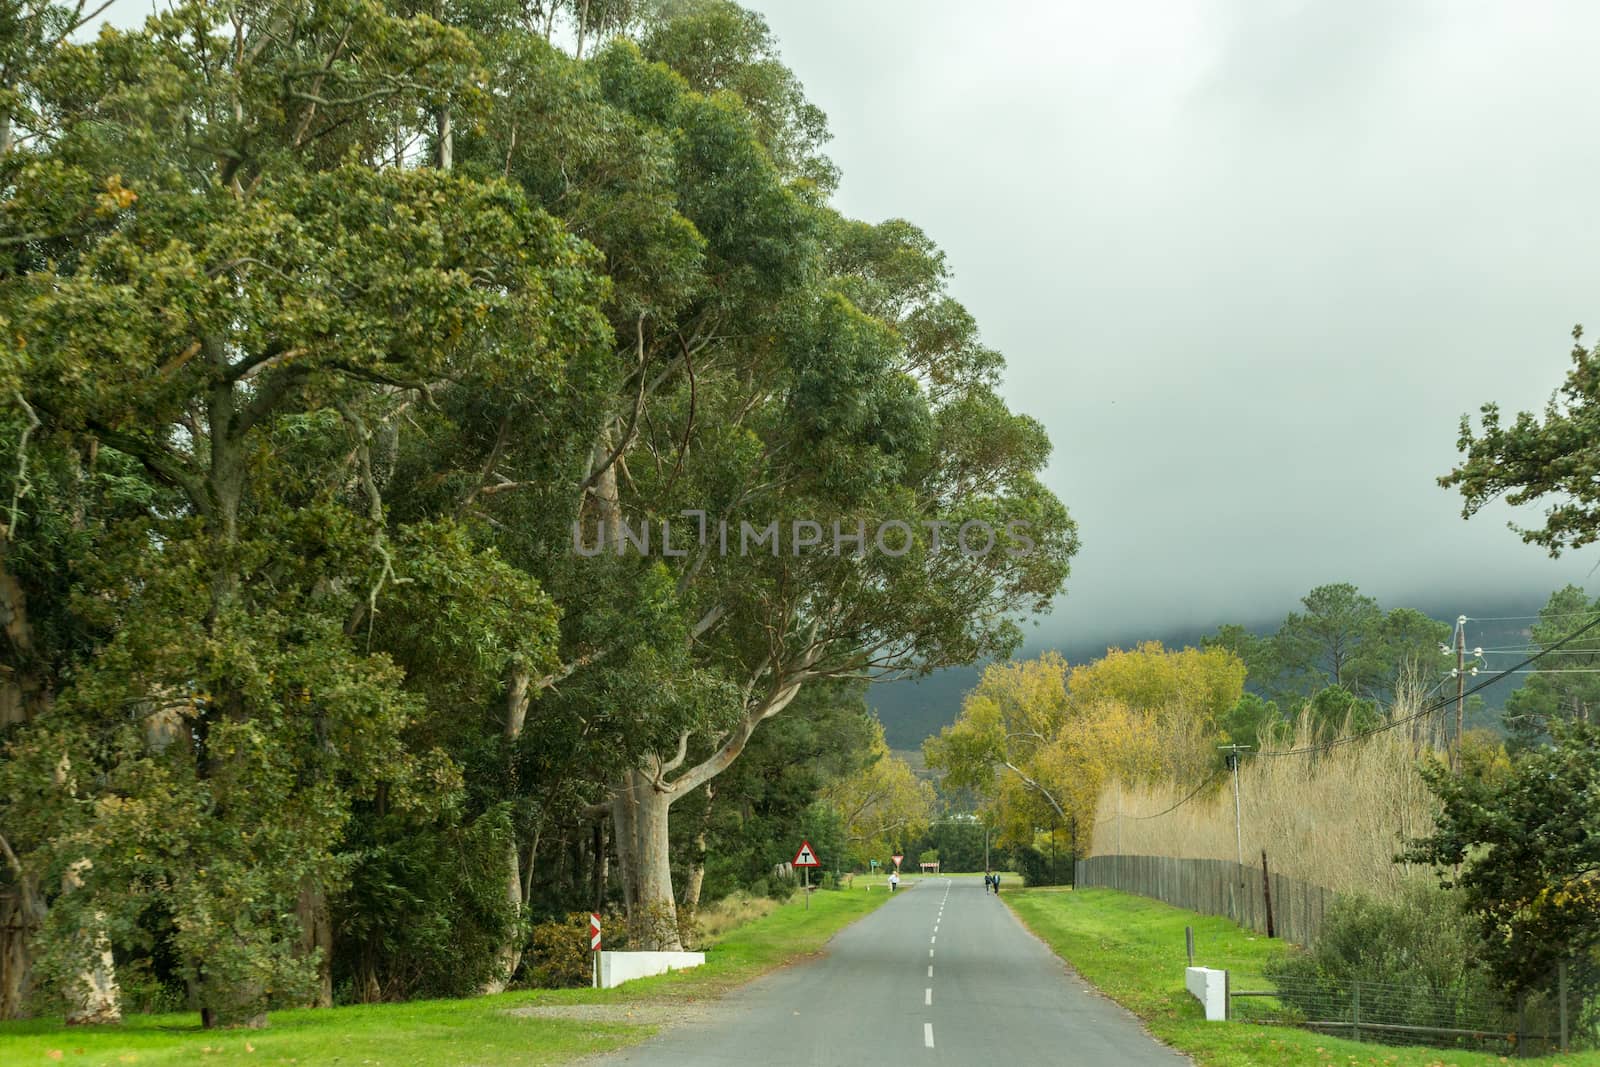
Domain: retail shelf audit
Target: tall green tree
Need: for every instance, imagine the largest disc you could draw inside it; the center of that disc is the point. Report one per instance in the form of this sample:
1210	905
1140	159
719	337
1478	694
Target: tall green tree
1553	459
1523	845
226	312
755	387
1555	696
1341	639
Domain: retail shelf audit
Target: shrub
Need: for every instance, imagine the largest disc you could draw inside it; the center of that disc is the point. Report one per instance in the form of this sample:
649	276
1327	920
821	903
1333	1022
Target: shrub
560	956
1036	868
144	993
1420	945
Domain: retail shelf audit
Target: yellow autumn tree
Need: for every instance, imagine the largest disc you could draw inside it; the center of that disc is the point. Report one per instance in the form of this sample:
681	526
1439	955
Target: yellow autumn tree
1039	741
884	803
1185	692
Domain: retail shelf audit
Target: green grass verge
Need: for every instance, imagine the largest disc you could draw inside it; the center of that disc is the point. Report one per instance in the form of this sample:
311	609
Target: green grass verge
480	1032
1132	949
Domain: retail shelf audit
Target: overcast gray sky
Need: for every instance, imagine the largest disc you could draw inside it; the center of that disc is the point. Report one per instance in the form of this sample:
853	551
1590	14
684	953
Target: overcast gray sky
1249	262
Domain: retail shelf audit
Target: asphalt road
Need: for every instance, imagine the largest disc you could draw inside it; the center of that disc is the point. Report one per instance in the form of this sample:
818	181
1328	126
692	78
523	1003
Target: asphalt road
944	974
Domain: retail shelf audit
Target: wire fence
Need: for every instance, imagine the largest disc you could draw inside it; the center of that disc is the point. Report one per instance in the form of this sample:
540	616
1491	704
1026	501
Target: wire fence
1409	1014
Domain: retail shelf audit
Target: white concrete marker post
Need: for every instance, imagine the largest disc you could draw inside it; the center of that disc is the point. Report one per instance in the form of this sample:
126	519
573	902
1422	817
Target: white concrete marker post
1210	987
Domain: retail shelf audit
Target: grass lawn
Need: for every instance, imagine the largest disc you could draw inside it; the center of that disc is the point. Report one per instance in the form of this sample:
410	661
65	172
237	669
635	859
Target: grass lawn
1131	948
481	1032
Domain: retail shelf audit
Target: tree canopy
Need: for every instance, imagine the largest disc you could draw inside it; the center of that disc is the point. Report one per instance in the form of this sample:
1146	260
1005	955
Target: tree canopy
351	354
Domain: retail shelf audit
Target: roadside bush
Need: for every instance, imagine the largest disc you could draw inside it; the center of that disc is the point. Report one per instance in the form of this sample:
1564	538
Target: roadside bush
560	953
1420	943
144	993
1036	868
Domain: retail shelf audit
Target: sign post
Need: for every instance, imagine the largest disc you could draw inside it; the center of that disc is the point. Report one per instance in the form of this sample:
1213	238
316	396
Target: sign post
806	859
594	945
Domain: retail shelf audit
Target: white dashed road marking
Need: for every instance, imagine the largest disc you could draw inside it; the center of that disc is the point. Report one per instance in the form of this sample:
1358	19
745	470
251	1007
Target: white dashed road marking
927	997
927	1034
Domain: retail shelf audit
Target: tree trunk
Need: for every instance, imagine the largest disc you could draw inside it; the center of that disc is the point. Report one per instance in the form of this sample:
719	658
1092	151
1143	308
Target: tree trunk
22	693
600	866
94	994
641	804
21	913
510	953
446	138
443	133
697	862
640	817
316	935
583	28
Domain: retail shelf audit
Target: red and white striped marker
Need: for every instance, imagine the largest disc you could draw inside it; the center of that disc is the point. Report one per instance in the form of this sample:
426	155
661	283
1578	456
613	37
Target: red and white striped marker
594	932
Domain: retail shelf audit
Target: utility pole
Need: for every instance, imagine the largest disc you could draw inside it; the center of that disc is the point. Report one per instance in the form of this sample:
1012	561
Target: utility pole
1461	684
1238	823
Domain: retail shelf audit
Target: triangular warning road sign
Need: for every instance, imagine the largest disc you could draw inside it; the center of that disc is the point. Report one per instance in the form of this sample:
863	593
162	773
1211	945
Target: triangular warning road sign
805	857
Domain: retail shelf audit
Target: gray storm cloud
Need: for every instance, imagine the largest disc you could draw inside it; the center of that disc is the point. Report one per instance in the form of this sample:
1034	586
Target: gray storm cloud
1249	263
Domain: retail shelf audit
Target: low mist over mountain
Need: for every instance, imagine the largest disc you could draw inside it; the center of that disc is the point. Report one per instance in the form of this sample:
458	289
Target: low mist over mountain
913	709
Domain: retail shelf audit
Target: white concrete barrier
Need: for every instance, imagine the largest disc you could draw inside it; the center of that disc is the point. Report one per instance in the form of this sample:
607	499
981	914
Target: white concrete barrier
1210	988
619	967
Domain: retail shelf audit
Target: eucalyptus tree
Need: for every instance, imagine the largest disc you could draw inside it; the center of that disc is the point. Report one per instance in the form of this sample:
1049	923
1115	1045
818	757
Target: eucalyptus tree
242	308
772	361
792	403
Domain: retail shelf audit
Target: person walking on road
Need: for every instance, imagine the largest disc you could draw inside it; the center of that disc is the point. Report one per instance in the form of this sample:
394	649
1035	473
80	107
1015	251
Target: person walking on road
894	881
988	881
997	885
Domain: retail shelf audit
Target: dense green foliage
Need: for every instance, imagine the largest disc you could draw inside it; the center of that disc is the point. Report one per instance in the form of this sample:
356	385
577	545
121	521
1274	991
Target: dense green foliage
346	346
1532	459
1339	661
1554	697
1421	944
1522	848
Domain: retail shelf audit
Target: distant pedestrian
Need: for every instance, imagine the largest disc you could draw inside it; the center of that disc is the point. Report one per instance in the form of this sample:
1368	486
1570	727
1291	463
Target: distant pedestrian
894	881
988	881
996	885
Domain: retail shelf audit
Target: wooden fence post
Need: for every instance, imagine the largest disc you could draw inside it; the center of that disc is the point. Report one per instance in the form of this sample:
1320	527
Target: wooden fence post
1266	893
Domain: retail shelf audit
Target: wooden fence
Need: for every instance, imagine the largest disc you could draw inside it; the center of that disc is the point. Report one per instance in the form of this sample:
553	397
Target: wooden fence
1216	887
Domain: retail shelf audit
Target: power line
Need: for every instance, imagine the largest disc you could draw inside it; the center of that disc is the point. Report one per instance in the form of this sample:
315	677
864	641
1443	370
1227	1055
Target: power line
1167	811
1526	651
1442	704
1518	618
1393	723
